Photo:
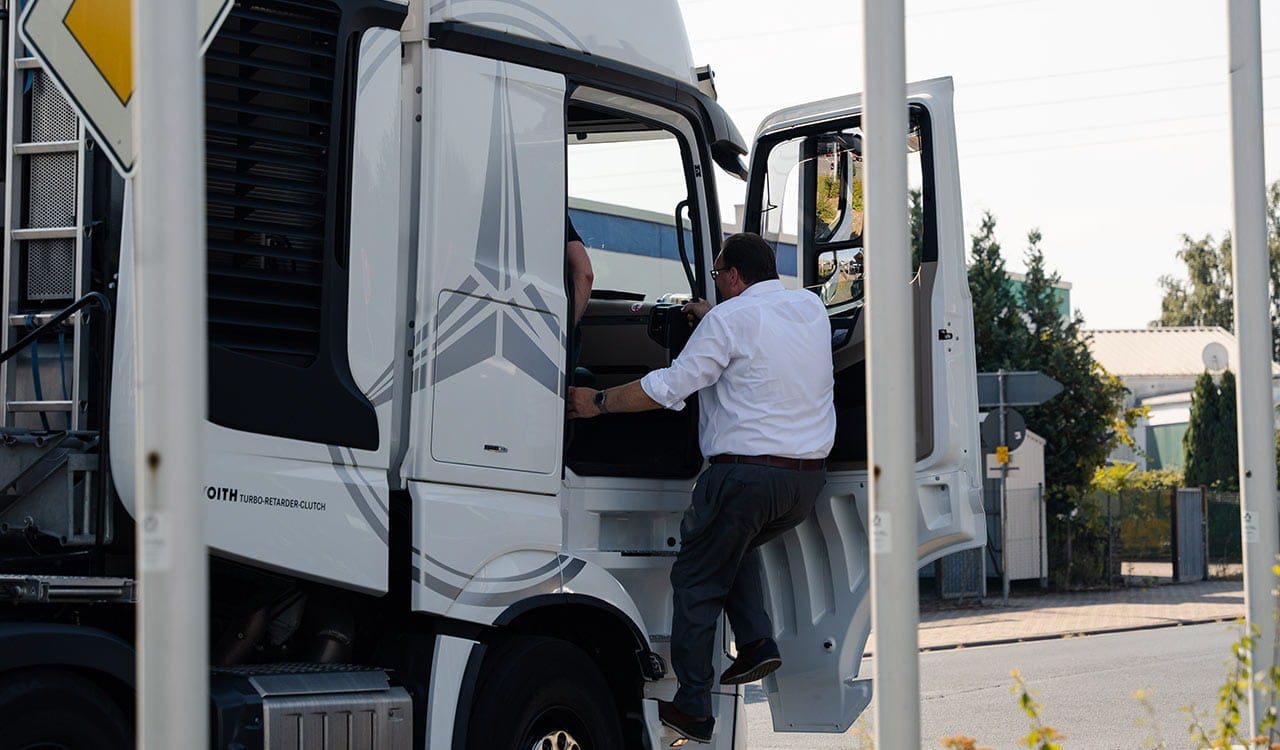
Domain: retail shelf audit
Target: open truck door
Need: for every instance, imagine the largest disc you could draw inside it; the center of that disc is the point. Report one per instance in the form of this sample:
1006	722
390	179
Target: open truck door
805	196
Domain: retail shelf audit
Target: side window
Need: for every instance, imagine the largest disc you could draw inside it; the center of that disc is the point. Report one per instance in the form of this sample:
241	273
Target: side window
813	200
631	182
627	188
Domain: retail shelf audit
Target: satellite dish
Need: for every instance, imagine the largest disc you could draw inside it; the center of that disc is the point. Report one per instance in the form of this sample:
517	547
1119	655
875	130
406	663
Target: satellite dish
1214	356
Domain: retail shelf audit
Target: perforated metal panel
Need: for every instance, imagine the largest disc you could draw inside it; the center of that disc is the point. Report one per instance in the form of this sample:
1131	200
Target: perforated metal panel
51	118
52	185
51	269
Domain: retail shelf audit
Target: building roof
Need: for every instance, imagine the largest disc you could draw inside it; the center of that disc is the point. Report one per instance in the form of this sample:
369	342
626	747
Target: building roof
1150	352
1156	352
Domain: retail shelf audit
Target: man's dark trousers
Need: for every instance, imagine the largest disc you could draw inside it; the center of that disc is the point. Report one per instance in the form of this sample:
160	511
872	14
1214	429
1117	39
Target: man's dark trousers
735	509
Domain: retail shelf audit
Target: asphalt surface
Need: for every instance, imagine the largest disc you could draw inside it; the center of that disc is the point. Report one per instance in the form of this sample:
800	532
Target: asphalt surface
1027	632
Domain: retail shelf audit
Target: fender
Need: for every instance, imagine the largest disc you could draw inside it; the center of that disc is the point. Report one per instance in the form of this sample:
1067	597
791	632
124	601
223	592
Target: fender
558	578
38	644
559	600
466	694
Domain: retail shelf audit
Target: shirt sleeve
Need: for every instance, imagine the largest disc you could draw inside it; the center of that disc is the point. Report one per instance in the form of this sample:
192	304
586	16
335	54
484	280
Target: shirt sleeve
570	234
698	366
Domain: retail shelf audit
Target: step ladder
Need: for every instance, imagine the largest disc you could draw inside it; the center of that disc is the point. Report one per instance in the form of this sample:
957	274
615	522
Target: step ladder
47	196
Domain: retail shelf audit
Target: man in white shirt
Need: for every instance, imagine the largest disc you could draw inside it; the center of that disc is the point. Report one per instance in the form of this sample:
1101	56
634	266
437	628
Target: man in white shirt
760	362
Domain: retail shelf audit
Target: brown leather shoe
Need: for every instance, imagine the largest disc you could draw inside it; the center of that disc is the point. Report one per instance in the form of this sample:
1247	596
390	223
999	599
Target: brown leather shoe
753	663
696	728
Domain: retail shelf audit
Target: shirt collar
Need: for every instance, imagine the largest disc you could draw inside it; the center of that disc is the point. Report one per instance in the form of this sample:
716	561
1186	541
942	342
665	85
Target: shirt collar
763	287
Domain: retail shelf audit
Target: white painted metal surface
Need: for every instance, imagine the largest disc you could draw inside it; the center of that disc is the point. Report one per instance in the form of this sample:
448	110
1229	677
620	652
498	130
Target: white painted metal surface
891	367
817	576
649	35
1255	423
1026	551
172	564
315	511
374	244
488	373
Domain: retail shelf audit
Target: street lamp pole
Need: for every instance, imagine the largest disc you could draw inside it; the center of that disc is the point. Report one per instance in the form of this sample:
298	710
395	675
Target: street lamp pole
1255	420
891	383
169	265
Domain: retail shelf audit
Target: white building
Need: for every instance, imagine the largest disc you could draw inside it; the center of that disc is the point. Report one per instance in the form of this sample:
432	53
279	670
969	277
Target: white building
1159	366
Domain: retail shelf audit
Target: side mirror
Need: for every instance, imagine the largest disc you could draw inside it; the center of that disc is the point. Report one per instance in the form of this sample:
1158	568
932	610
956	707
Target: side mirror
840	272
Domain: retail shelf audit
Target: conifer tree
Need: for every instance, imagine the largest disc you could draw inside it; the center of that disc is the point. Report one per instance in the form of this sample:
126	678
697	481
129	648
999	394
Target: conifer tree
1199	441
1226	475
1079	424
999	333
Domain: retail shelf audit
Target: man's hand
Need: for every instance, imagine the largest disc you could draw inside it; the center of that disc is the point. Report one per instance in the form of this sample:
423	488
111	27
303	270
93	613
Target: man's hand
582	403
695	310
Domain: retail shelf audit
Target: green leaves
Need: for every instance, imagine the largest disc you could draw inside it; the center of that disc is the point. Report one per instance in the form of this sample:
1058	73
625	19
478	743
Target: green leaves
1205	297
1209	445
1022	327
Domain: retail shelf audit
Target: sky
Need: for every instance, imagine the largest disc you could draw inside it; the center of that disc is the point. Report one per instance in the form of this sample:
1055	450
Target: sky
1103	123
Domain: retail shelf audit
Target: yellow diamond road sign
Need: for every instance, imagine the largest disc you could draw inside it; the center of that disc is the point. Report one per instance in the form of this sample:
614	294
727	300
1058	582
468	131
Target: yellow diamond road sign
86	47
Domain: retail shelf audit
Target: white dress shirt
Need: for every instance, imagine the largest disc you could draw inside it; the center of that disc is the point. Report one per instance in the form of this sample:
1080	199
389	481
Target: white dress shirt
761	364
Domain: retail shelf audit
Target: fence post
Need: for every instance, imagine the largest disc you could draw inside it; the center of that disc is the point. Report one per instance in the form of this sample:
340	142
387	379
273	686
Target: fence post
1204	528
1070	513
1174	522
1044	535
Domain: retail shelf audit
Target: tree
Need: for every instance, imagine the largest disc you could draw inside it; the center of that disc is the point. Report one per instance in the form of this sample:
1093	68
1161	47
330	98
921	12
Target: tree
915	208
1079	424
1199	441
1082	424
999	333
1227	458
1273	247
828	198
1205	297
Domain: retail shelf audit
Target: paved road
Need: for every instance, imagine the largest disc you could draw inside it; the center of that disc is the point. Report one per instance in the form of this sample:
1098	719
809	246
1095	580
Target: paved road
1085	684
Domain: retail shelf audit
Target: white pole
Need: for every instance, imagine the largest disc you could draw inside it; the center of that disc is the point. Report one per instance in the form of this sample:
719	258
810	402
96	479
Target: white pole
1254	415
891	382
169	261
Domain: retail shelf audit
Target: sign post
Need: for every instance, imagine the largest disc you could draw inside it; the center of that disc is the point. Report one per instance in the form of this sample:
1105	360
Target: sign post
169	262
135	84
1002	390
1255	424
890	383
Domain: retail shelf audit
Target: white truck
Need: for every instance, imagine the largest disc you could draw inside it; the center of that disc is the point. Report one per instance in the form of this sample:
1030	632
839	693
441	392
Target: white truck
409	545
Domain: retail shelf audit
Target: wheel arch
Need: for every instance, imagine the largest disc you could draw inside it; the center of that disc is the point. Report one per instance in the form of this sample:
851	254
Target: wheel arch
86	649
98	655
613	641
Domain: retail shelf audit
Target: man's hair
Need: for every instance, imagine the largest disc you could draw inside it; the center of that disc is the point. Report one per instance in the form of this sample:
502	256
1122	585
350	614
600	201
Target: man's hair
751	255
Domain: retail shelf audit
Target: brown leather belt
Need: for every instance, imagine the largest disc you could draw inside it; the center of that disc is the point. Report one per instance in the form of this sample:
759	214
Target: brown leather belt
777	462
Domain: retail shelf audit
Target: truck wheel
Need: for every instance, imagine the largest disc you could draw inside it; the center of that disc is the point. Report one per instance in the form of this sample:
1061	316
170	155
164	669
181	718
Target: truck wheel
542	694
51	709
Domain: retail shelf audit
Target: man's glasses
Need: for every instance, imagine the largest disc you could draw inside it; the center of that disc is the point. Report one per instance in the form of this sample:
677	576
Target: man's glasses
715	272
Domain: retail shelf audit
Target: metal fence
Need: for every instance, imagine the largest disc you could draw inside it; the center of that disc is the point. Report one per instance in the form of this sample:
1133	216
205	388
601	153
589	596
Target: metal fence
1224	534
1137	532
1146	539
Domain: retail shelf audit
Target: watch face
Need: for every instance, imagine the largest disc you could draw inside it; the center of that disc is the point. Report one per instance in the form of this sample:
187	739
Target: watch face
599	398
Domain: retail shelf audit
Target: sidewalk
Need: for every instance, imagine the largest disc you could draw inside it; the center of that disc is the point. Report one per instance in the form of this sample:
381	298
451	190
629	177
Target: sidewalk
1036	616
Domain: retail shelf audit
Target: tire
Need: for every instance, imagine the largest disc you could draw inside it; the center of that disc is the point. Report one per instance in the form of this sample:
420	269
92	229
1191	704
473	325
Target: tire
54	709
542	694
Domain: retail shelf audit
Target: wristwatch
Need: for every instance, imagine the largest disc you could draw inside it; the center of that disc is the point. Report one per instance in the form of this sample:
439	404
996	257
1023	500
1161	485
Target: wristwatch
600	399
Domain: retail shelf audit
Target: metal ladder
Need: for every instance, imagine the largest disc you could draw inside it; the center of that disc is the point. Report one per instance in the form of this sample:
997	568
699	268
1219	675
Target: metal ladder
45	234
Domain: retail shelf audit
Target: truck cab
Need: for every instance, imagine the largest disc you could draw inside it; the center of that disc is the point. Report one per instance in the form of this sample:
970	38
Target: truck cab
406	536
